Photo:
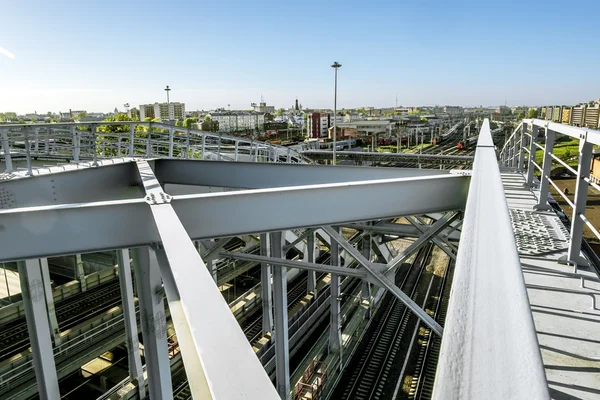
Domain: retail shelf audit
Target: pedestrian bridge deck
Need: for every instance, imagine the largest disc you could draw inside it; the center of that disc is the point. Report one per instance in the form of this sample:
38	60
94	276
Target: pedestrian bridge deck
565	313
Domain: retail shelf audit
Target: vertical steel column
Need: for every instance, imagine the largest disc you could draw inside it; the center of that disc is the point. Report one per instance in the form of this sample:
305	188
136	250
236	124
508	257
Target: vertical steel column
76	143
80	272
54	330
235	152
36	146
581	194
203	146
187	143
32	289
521	146
94	138
335	329
516	146
265	282
219	148
154	323
366	287
546	167
148	140
131	139
171	133
310	257
532	151
213	269
131	330
282	351
6	149
28	151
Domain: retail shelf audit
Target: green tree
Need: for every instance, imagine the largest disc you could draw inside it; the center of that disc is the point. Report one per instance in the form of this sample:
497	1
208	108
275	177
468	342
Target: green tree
21	121
521	115
189	121
207	118
423	119
269	117
280	112
532	113
81	115
178	122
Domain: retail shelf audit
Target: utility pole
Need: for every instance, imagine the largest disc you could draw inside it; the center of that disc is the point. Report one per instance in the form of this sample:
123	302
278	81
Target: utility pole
335	66
168	89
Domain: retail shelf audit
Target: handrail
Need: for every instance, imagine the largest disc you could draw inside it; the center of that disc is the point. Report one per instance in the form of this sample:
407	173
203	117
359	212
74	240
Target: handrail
488	307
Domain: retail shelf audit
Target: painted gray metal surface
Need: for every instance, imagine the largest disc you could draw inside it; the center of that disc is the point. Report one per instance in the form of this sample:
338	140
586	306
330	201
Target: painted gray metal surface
64	229
489	349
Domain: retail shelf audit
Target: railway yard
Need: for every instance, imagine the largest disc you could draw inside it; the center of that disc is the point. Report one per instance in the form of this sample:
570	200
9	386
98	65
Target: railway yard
348	336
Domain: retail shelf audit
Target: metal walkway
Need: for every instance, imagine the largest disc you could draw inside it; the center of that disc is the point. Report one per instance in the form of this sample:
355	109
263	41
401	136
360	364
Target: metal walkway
563	303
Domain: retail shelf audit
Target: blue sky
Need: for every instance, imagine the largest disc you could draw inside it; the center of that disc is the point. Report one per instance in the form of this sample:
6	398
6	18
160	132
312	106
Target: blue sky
96	55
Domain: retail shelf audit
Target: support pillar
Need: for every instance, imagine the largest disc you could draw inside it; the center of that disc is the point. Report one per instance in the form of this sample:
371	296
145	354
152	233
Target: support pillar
213	269
546	168
131	139
28	151
282	351
581	194
187	144
522	145
36	145
366	287
266	291
75	144
32	289
203	147
532	151
335	327
171	134
54	330
80	272
154	323
310	257
148	140
236	154
131	330
6	149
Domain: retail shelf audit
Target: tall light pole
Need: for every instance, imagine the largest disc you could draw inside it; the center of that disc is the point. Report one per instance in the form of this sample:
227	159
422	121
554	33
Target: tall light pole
168	89
335	66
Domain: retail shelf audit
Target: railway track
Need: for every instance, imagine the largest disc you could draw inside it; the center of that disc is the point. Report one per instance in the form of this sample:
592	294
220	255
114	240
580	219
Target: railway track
371	367
427	348
14	336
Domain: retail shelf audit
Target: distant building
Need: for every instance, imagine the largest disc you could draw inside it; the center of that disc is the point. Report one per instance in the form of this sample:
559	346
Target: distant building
236	121
133	113
146	111
318	125
453	110
262	107
169	111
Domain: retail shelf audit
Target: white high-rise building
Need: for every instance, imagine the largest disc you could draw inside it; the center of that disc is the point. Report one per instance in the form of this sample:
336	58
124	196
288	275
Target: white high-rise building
169	111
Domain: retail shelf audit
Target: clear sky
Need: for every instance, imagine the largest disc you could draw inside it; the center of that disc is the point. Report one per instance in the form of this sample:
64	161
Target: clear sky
95	55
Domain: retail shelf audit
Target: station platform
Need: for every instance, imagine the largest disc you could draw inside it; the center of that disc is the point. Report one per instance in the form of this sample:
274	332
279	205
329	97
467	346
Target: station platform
563	302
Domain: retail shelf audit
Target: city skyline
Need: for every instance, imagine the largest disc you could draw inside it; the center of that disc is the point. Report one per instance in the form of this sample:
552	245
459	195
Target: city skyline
97	57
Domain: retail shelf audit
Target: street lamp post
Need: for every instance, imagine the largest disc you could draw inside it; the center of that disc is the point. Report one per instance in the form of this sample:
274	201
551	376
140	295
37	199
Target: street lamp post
168	89
335	66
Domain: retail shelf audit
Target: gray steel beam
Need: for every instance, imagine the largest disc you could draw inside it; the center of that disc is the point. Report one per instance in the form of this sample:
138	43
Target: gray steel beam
446	247
366	287
109	182
532	151
131	329
310	258
282	351
581	195
335	323
206	352
128	223
328	269
436	228
263	175
80	272
154	323
546	167
384	281
265	282
54	329
32	289
489	334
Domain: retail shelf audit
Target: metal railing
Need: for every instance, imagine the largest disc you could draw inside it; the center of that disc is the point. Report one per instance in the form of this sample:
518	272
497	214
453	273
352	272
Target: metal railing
91	141
524	140
489	348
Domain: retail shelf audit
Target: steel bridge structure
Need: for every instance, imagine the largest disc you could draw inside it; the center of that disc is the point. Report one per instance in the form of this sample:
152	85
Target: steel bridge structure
170	198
